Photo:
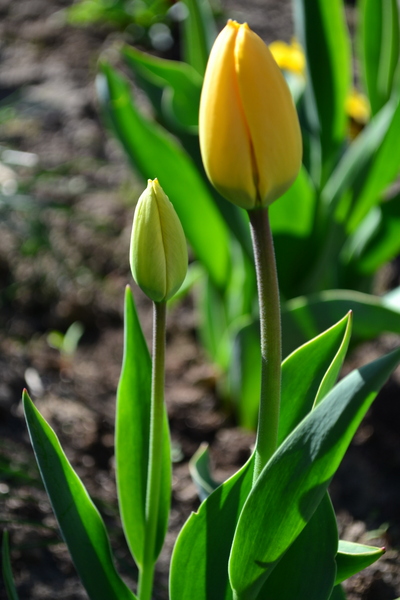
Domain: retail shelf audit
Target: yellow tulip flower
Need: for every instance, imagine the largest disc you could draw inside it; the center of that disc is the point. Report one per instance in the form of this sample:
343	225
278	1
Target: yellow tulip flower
158	253
249	130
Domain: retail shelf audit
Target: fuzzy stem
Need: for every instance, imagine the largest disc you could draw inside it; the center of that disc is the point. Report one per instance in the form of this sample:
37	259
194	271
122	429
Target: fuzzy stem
270	329
146	573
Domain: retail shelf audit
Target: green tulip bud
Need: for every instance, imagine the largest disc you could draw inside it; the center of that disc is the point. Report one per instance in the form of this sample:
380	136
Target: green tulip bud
158	253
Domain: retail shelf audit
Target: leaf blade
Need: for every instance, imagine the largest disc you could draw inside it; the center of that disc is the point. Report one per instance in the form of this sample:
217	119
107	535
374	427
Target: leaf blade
80	522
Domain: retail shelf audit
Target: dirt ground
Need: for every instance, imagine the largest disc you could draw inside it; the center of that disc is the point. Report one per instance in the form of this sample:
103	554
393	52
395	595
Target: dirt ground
65	219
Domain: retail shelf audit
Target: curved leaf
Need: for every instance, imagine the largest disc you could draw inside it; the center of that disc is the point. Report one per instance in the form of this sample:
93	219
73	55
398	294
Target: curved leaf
199	467
79	520
322	30
132	431
378	48
295	479
352	558
307	570
199	33
309	373
155	153
305	317
6	568
182	81
199	565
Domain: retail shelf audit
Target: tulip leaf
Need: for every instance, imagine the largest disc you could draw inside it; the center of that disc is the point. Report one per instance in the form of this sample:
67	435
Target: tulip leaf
199	467
322	30
295	479
310	372
132	432
352	558
199	33
199	565
180	81
307	570
6	569
378	48
305	317
337	593
155	153
382	172
384	243
80	523
356	160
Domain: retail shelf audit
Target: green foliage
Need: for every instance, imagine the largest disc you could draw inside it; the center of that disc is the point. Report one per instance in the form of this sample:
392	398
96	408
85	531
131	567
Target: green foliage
332	230
80	523
6	568
132	439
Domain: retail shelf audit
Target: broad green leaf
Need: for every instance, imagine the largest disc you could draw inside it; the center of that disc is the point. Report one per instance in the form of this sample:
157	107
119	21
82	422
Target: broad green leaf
181	84
155	153
338	593
132	431
199	33
81	525
305	317
307	570
309	373
378	48
199	467
199	565
357	158
352	558
294	213
6	569
382	172
384	243
392	299
296	477
321	29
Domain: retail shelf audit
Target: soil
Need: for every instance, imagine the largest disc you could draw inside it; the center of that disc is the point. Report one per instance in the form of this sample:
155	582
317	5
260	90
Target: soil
66	214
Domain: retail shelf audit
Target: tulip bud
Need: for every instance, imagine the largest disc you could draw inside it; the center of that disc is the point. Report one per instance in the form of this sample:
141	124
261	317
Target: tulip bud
249	130
158	253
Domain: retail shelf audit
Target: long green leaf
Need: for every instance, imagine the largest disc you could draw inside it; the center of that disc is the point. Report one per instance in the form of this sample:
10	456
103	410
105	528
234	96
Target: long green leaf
321	28
199	33
132	439
199	468
338	593
199	566
295	479
378	48
305	317
383	171
6	569
352	558
356	159
181	82
79	520
384	243
309	373
155	153
307	570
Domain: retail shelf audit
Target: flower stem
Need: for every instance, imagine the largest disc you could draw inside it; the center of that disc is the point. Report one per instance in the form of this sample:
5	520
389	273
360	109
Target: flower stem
146	573
270	329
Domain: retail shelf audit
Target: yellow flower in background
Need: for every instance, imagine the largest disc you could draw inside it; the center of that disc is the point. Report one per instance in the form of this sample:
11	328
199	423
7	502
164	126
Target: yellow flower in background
289	57
158	253
357	107
249	131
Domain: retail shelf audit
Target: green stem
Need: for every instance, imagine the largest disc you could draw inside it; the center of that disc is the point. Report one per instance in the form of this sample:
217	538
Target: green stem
146	573
270	329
